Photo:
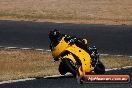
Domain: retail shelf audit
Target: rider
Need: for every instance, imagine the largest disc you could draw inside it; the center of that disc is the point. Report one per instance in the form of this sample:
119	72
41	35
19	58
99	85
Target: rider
55	34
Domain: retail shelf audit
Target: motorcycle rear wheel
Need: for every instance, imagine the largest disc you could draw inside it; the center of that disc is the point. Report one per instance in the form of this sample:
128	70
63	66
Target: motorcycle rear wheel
100	68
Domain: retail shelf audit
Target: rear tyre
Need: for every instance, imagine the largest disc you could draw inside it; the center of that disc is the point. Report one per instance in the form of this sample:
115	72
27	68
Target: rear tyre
100	68
81	80
70	67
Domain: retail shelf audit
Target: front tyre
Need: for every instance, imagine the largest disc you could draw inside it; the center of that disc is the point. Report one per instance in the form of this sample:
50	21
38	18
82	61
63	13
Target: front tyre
62	68
100	68
70	67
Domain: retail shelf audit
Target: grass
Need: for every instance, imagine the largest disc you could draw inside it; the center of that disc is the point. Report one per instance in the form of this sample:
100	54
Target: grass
16	64
113	61
81	11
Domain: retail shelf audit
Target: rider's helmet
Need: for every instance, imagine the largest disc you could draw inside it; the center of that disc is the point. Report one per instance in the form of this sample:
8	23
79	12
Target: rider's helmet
53	34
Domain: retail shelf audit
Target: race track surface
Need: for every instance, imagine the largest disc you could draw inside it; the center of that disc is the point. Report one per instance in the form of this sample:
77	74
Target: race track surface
107	38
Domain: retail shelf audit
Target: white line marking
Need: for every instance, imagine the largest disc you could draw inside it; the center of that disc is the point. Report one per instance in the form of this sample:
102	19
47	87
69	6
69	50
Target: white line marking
54	76
104	54
19	80
1	47
11	47
26	48
119	68
48	50
130	56
39	49
59	22
118	55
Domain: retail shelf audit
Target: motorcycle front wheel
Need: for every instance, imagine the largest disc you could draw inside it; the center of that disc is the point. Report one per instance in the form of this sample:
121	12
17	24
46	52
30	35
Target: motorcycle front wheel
70	66
62	68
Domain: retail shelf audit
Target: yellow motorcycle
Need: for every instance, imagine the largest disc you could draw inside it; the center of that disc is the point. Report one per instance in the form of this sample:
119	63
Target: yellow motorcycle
76	57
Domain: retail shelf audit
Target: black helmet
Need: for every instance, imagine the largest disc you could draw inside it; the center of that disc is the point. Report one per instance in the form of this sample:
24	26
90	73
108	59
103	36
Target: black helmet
53	34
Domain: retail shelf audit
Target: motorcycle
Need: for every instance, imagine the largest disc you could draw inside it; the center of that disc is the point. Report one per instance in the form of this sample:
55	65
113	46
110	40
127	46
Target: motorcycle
74	54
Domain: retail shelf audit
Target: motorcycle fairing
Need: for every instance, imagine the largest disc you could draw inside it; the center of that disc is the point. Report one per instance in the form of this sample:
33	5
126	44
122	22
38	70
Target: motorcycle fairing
83	56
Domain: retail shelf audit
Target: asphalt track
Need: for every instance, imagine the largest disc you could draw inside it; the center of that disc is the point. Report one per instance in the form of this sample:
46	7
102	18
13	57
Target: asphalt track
107	38
111	39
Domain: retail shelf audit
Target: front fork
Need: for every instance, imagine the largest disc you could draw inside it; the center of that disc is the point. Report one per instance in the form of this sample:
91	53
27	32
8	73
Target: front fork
81	72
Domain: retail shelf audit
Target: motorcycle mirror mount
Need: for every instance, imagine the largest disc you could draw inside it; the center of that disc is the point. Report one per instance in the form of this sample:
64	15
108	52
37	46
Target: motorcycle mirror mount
85	41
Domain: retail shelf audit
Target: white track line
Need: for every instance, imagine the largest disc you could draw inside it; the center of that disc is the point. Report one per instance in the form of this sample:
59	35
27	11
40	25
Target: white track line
54	76
26	48
19	80
104	54
59	22
126	67
39	49
11	47
1	47
130	56
48	50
